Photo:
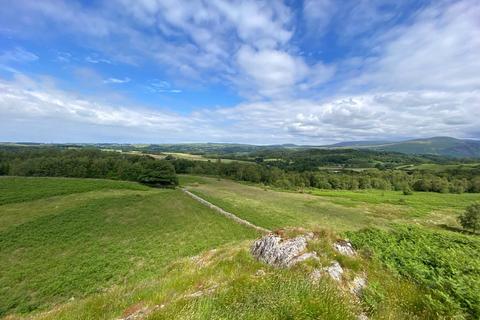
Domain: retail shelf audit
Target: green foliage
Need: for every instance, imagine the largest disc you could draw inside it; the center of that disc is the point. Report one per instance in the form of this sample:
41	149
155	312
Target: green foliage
338	169
470	219
287	177
373	297
86	163
53	249
407	191
446	264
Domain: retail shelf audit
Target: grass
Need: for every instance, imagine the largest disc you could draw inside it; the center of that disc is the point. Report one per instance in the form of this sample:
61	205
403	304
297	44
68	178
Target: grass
417	204
20	189
192	157
440	167
272	209
339	210
445	262
224	283
84	243
117	248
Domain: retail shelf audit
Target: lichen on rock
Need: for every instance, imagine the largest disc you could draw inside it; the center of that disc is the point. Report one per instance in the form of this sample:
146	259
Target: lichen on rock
278	252
344	247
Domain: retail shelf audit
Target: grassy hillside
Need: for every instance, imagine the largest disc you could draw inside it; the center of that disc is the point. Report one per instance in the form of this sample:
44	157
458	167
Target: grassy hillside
20	189
108	249
337	209
77	237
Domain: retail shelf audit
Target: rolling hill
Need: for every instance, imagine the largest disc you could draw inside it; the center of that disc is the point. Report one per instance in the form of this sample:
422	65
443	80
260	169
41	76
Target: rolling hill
443	146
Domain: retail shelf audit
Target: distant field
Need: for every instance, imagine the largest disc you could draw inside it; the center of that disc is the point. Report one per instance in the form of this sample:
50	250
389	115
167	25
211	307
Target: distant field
195	157
337	209
63	238
440	167
418	204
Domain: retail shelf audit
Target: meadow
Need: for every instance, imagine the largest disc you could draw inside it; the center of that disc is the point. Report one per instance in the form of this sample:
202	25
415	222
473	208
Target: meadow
77	237
102	249
340	210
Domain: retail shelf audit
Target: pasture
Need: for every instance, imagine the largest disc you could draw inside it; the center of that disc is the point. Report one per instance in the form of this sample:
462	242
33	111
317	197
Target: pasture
339	210
64	238
100	249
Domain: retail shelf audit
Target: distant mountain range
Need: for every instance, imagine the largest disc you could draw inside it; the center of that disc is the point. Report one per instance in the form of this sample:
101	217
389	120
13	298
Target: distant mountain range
444	146
441	146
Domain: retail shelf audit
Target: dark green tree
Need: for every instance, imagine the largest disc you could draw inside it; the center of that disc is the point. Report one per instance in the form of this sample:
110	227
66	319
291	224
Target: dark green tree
470	219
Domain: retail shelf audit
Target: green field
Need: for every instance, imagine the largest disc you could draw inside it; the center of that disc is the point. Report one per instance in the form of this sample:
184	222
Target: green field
77	237
100	249
339	210
189	156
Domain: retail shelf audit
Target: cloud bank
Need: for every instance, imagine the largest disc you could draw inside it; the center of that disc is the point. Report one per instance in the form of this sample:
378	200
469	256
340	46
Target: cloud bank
416	76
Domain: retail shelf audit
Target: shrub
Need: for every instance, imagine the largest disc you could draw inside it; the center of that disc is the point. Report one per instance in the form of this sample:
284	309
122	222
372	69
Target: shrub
470	219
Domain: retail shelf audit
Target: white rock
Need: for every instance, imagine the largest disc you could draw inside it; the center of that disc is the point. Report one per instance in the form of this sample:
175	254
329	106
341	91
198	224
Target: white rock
275	251
335	271
344	247
362	316
357	286
303	257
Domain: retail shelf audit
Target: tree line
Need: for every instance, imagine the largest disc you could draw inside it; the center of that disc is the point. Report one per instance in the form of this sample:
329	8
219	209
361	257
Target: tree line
86	163
386	179
94	163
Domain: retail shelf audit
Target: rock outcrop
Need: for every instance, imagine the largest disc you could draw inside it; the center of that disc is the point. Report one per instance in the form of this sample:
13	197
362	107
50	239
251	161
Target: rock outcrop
275	251
335	271
344	247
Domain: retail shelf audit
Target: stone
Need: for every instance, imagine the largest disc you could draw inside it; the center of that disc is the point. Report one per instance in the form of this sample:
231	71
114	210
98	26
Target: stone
335	271
303	257
356	287
275	251
344	247
362	316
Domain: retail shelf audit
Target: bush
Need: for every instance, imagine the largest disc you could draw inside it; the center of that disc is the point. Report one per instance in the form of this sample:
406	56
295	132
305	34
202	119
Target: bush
407	191
470	219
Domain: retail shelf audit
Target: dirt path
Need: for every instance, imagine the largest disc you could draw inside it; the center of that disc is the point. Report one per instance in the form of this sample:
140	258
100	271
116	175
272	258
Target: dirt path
225	213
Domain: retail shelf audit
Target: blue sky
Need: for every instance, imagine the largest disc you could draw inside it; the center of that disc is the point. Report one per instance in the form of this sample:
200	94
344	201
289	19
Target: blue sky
261	72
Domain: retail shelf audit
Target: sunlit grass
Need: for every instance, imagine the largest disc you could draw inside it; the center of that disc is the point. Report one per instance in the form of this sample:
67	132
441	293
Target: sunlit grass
66	249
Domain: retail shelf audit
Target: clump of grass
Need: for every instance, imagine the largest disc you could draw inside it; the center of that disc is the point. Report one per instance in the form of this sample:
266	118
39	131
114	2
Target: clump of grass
445	264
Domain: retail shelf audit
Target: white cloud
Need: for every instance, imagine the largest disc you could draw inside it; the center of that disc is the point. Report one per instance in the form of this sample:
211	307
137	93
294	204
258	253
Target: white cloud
419	78
438	51
273	72
17	54
95	60
32	107
116	80
63	57
29	105
162	86
318	14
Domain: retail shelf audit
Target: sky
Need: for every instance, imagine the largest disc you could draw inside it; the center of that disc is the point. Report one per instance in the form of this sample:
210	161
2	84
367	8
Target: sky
252	71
